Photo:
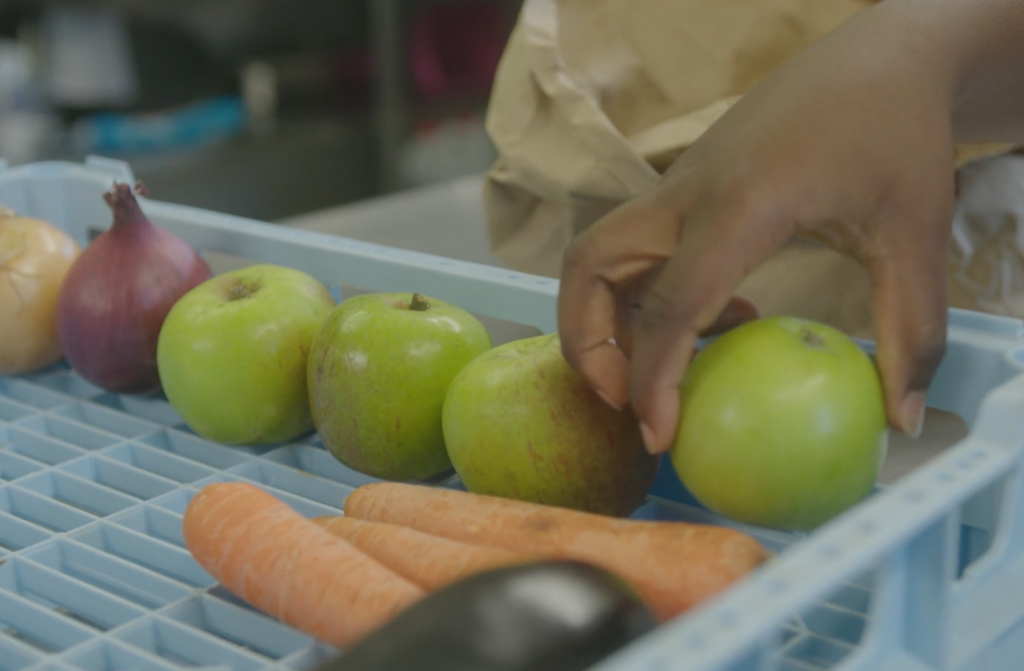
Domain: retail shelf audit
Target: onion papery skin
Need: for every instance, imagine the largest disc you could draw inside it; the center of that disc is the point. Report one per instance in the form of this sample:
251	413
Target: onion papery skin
35	257
117	295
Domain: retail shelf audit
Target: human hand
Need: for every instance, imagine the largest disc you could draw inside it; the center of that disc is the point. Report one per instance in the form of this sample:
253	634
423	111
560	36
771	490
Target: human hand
852	143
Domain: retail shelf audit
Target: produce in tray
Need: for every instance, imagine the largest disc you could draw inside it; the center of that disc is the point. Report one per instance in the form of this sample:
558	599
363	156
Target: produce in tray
377	376
340	591
35	256
430	562
672	565
232	354
117	294
782	424
288	567
520	423
545	616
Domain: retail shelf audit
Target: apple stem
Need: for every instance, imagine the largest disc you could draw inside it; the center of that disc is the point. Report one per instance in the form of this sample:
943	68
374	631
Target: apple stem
812	338
239	291
418	303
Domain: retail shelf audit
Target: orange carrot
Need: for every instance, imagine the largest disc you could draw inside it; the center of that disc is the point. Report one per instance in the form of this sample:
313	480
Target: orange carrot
428	561
672	565
283	564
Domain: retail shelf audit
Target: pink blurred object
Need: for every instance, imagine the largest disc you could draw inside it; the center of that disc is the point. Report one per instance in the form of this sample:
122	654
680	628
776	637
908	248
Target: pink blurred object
455	49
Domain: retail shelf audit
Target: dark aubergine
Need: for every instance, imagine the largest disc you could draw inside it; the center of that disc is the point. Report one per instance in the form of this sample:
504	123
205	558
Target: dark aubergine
542	616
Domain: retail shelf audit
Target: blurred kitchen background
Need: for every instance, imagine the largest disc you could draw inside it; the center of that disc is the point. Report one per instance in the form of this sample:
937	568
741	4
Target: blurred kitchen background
261	108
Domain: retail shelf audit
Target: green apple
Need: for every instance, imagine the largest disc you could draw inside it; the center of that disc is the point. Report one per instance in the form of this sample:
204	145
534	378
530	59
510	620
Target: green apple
521	424
782	424
232	354
378	374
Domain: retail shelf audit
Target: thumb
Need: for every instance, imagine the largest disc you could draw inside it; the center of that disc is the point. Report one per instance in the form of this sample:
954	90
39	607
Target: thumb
693	295
910	311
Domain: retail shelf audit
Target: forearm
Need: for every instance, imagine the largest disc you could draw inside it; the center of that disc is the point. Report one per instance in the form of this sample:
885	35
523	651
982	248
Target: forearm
977	46
989	102
967	55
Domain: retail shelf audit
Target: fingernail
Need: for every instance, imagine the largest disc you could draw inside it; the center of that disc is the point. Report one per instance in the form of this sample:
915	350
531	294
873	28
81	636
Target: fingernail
648	436
913	414
608	399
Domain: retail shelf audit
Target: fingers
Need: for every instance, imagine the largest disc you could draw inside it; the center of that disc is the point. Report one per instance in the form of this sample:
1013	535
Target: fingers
738	311
910	309
587	318
600	270
613	265
693	295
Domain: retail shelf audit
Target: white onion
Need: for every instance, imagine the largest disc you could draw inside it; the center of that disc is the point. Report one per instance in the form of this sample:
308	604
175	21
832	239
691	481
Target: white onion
35	257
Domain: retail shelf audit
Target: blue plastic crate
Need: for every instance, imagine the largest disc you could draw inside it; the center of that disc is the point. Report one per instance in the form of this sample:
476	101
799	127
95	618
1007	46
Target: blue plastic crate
928	574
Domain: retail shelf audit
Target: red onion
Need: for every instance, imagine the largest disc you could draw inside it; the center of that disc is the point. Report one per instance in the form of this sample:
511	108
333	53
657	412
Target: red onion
118	293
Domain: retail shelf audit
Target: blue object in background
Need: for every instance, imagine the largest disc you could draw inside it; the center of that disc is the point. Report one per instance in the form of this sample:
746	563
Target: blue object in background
197	124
